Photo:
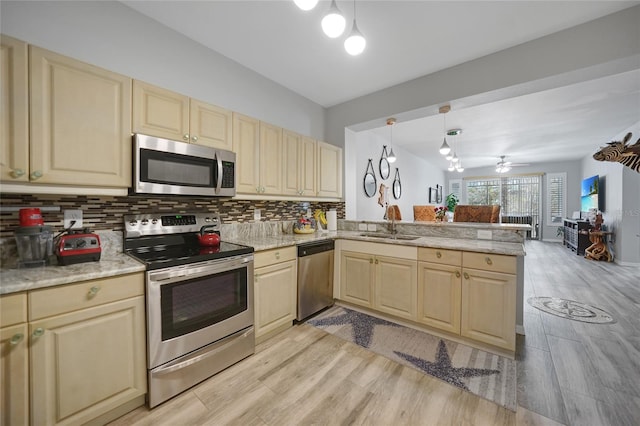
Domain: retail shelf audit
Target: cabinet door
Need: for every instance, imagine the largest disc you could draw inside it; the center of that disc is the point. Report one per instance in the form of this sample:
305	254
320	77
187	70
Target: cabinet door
308	166
291	147
160	112
489	307
329	170
210	125
14	111
439	289
395	286
88	362
275	295
14	370
80	122
246	145
270	159
356	278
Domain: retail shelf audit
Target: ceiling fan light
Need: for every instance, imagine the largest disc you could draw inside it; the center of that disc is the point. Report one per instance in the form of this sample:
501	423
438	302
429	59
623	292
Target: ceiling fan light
355	43
306	4
333	23
445	148
392	157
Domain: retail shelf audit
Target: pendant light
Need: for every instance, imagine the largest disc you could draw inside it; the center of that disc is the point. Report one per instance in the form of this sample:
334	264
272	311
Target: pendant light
445	148
451	167
333	22
355	43
306	4
459	167
392	157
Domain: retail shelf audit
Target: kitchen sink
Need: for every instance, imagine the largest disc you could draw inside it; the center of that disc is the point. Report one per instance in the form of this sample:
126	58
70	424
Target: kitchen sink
391	237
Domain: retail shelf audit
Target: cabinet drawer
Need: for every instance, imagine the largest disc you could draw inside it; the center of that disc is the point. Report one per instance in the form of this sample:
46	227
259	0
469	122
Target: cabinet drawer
447	257
270	257
489	262
58	300
13	309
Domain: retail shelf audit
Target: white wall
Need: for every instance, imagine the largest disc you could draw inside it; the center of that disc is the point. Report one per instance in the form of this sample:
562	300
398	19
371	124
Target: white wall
416	176
113	36
621	210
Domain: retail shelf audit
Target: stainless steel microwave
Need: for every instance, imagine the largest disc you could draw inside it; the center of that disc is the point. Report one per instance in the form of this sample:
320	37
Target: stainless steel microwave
162	166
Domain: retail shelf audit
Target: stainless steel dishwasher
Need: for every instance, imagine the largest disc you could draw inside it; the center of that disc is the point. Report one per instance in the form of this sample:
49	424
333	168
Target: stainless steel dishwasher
315	277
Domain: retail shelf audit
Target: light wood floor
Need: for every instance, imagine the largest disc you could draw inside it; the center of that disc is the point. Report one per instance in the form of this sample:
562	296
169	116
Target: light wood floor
568	372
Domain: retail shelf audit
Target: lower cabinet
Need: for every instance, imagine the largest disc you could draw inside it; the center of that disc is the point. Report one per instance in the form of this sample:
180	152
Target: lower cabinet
439	288
275	290
395	286
356	278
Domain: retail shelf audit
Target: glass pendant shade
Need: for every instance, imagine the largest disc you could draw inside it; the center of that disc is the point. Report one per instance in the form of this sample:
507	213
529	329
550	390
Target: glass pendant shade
355	43
455	158
306	4
451	167
459	167
449	156
392	157
445	148
333	23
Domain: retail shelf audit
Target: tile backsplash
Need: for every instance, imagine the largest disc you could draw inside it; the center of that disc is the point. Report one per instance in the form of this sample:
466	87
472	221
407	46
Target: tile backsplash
106	212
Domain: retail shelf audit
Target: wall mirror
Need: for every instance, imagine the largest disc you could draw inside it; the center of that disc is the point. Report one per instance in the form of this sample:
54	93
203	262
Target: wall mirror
369	181
384	167
397	185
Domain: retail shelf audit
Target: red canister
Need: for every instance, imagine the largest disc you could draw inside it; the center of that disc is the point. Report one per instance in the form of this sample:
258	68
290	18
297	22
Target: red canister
31	217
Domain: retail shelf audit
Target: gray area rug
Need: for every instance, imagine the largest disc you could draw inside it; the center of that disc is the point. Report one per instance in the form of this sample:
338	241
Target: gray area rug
571	309
487	375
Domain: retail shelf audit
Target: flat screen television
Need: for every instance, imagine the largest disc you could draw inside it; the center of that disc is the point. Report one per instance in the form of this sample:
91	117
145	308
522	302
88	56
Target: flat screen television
589	196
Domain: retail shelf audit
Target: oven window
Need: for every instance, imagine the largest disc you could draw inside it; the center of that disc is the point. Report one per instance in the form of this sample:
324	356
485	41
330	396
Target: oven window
175	169
190	305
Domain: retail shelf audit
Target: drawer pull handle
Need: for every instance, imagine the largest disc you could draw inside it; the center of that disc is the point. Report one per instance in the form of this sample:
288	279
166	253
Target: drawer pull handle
466	276
93	291
438	254
457	274
16	338
488	260
38	332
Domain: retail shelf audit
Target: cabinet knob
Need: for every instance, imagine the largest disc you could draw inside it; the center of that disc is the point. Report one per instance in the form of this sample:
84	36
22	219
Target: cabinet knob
466	276
16	173
255	278
371	260
277	255
257	189
438	254
93	291
262	189
16	338
488	260
457	274
38	332
194	138
376	261
185	136
35	175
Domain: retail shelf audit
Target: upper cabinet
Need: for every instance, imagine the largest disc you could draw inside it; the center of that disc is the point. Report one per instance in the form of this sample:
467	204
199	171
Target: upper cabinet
329	170
170	115
299	171
80	122
14	111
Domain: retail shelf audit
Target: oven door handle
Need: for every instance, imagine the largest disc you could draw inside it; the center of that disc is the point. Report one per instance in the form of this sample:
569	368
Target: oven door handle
178	365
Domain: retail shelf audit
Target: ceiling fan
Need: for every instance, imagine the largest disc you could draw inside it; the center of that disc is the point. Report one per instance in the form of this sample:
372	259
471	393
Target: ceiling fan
504	166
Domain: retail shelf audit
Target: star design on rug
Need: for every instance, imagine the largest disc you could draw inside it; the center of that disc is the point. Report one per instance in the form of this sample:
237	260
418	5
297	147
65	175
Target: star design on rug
443	369
362	325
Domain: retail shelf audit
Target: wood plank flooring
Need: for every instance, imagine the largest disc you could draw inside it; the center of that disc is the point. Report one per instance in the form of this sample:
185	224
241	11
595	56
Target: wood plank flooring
568	372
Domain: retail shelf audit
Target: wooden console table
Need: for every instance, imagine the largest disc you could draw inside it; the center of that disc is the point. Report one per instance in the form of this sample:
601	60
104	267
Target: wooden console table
598	249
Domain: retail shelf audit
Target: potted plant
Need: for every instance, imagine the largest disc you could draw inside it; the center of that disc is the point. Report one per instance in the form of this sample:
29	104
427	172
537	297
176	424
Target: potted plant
451	201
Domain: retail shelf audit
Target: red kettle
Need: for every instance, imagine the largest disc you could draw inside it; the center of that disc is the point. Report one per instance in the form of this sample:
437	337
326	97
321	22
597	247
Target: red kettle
208	239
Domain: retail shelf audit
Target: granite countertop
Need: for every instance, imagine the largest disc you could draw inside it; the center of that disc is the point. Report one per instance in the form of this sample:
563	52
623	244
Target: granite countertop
114	262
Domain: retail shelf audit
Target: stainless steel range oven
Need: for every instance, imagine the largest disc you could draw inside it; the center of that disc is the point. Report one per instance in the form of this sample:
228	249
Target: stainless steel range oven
199	300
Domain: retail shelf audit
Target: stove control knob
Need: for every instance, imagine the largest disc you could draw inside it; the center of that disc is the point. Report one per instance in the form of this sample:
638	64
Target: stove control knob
133	223
144	222
82	243
207	219
154	221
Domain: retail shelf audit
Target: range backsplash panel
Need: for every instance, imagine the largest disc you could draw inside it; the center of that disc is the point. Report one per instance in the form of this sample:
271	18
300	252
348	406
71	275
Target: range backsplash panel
105	212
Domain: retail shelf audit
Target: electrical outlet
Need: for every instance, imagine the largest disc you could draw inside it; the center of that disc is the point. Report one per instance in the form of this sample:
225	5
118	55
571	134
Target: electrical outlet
484	234
257	215
362	227
71	215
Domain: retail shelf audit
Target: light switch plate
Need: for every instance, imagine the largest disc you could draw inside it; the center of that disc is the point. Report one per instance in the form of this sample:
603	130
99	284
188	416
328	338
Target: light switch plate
362	227
71	215
257	215
371	227
484	234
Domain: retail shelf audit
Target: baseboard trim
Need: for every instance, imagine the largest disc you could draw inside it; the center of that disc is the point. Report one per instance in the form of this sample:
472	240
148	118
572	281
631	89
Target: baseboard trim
621	263
551	240
520	329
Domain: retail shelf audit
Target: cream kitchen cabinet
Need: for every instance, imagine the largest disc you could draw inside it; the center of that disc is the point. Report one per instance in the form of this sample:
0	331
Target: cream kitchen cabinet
170	115
87	349
439	288
80	123
371	279
489	299
299	171
258	147
14	360
14	111
329	180
275	290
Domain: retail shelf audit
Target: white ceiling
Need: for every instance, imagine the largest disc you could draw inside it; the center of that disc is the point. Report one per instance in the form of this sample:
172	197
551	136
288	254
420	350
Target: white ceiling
409	39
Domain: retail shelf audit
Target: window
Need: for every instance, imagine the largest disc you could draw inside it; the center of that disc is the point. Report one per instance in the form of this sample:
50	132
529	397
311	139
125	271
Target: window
556	198
455	188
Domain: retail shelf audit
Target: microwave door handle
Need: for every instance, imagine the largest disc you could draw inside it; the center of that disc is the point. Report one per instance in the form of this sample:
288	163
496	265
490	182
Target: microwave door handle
219	165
